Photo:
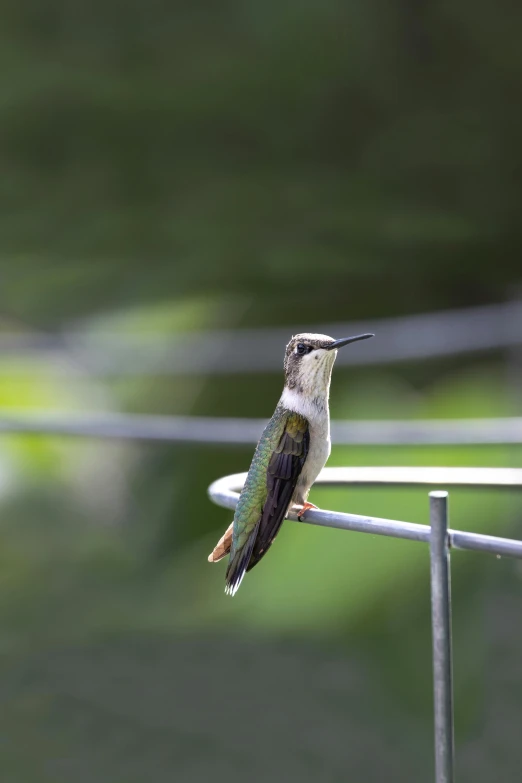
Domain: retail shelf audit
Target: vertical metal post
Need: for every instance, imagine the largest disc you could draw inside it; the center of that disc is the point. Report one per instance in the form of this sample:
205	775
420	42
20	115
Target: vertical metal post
441	632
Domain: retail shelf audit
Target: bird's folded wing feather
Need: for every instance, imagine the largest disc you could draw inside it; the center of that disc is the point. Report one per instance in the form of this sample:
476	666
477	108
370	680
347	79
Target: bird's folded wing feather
267	493
283	472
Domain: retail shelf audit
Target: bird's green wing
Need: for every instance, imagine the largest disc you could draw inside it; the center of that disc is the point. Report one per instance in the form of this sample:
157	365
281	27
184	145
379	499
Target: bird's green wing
266	496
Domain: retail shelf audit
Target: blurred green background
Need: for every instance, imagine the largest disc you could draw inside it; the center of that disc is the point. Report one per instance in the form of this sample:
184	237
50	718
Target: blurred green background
169	167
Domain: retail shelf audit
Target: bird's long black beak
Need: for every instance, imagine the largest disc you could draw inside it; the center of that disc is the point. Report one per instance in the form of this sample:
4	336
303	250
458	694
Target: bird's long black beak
345	340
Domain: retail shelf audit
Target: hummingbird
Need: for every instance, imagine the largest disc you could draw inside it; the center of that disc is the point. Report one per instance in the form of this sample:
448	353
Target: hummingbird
291	453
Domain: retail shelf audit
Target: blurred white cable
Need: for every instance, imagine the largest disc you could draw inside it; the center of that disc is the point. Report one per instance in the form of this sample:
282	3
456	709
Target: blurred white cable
232	431
407	338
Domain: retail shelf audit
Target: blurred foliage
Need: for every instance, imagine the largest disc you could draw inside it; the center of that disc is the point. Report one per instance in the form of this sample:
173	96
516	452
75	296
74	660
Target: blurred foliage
258	147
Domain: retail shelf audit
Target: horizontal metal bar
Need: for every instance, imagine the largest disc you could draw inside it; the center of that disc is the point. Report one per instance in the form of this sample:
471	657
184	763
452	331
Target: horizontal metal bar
236	431
494	545
425	476
403	476
225	492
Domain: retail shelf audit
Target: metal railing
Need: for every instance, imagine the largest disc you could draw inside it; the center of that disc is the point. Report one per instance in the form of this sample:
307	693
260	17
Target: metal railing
225	492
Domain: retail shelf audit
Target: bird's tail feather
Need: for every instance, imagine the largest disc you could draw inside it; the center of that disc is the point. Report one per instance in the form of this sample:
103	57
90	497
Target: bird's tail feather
239	564
223	546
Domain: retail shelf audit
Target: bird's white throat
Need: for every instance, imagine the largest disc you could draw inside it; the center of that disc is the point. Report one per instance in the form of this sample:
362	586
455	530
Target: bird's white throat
311	408
310	390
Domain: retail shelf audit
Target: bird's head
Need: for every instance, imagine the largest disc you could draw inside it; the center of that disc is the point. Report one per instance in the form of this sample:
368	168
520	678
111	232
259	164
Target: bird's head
309	360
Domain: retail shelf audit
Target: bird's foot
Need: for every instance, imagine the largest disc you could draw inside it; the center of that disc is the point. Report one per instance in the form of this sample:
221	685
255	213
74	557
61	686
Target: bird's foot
306	507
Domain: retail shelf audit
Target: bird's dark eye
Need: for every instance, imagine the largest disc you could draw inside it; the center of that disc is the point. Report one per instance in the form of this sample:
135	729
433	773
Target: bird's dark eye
302	349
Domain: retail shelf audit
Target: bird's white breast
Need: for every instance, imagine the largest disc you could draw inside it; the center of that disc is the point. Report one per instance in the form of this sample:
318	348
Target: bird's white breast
316	411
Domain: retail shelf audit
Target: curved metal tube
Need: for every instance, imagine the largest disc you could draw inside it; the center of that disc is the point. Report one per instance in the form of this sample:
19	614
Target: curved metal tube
225	492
